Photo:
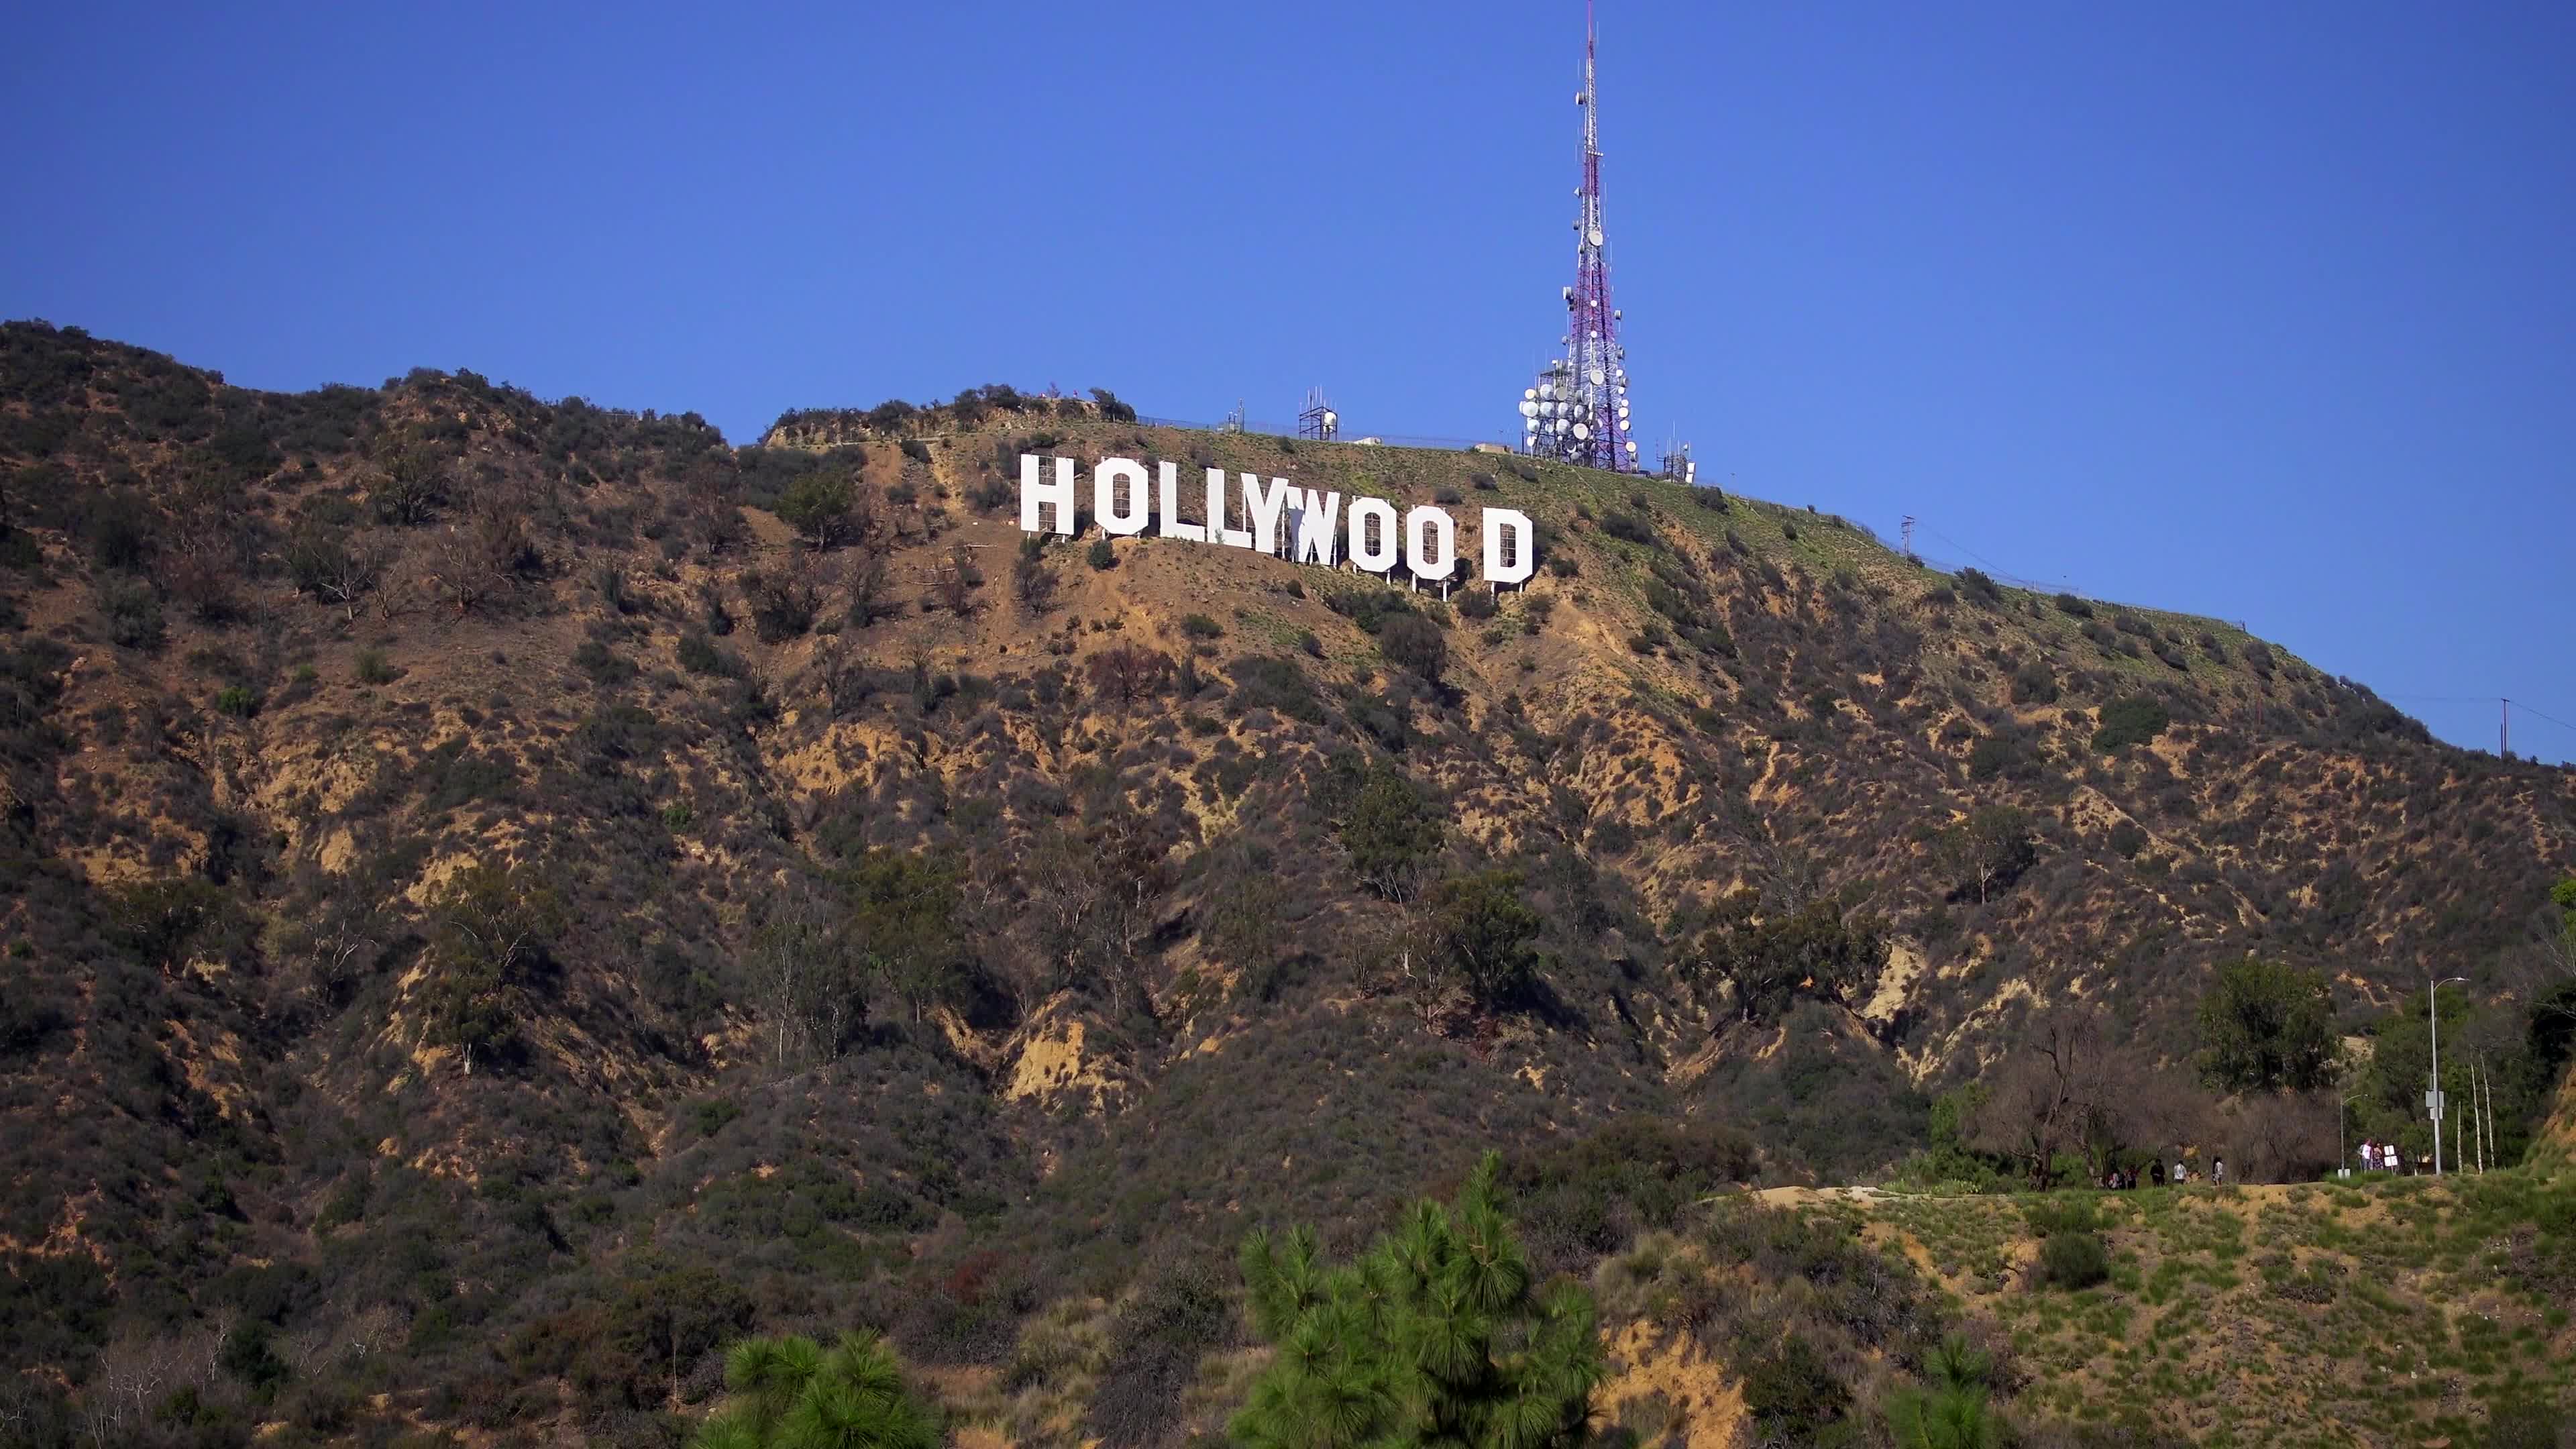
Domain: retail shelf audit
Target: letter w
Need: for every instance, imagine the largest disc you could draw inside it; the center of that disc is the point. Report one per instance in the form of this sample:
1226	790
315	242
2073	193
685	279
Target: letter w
1315	526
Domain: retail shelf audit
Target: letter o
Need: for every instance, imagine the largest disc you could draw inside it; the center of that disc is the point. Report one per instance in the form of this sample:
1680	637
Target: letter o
1430	543
1104	496
1381	558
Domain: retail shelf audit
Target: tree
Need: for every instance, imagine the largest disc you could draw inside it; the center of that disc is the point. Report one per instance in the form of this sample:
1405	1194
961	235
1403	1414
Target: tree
2064	1092
808	982
1951	1411
1415	643
1128	673
1986	852
1437	1336
1094	890
956	581
489	940
819	506
332	565
2267	1027
2558	929
1769	958
792	1393
1032	582
1485	933
902	922
1111	409
1392	834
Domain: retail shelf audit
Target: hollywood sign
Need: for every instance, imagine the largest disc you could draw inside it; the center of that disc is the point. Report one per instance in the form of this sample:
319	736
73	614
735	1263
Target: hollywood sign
1279	518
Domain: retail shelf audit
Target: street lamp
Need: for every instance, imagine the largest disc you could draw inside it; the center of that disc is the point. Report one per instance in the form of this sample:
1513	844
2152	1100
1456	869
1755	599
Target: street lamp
2433	1093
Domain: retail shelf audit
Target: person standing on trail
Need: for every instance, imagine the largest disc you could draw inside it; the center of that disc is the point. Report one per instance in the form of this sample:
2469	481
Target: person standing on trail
2156	1173
2369	1155
2218	1170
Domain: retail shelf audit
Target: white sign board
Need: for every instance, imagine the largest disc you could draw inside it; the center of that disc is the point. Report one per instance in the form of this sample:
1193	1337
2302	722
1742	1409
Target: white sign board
1278	518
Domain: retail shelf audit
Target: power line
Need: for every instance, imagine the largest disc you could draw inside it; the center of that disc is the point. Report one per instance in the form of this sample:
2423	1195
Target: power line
2553	719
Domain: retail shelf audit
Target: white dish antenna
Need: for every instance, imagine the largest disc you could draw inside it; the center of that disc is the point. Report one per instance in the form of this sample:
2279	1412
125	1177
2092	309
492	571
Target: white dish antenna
1528	409
1581	432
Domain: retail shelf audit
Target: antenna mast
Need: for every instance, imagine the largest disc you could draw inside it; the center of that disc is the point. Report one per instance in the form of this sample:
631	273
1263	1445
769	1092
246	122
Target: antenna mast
1578	409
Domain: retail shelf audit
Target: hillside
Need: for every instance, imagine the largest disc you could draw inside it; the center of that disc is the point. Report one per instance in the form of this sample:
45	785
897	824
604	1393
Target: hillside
481	884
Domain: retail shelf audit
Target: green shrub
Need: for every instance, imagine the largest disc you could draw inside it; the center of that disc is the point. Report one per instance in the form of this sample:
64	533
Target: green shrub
1276	685
1628	527
782	606
1477	604
1102	557
817	505
132	613
2130	720
1415	643
602	664
1200	626
1793	1394
2073	1261
698	654
236	700
372	668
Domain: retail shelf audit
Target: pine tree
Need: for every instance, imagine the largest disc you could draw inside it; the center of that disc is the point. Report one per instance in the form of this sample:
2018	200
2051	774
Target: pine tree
1437	1336
792	1393
1952	1412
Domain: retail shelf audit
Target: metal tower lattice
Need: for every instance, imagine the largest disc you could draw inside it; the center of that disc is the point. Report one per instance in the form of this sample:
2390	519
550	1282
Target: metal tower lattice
1577	409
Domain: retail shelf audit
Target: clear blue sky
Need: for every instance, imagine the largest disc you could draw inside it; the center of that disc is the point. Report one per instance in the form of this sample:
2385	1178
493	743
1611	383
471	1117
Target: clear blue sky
2264	311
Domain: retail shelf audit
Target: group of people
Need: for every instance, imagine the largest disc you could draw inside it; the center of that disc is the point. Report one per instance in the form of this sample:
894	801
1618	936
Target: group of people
2123	1179
2375	1157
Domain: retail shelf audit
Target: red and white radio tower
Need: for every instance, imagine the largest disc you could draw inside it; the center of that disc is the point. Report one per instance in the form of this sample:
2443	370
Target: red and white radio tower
1578	408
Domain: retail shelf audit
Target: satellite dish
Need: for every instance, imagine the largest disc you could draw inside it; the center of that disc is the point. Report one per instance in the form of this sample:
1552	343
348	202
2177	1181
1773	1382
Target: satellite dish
1528	392
1616	314
1528	409
1595	234
1547	389
1581	432
1596	377
1632	445
1331	417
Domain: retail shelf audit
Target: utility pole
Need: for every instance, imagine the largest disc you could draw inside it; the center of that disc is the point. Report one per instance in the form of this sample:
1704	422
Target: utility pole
2504	729
1909	535
2433	1093
2486	1117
